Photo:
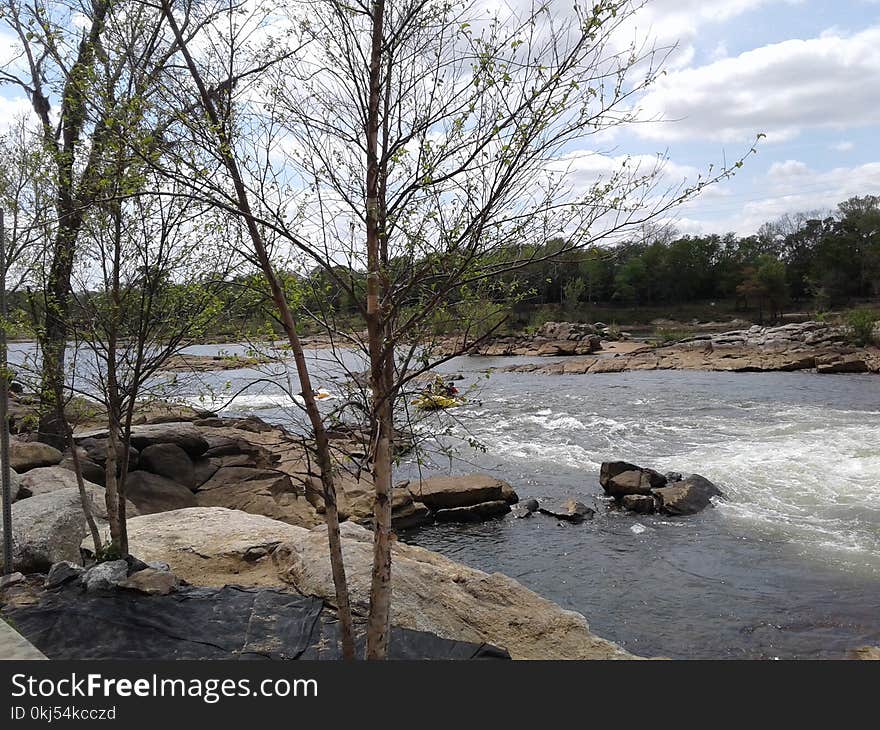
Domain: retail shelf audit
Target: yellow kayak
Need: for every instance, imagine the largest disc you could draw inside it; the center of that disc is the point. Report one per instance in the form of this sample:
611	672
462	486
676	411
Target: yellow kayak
436	402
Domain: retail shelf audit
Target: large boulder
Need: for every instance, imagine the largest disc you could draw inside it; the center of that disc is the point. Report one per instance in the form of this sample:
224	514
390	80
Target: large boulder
49	527
211	546
26	455
182	433
94	449
215	546
169	461
436	594
92	471
15	486
153	493
462	491
688	496
258	491
619	478
51	478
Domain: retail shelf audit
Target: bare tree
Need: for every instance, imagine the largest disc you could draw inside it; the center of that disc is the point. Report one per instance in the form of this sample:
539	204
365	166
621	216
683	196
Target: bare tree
434	149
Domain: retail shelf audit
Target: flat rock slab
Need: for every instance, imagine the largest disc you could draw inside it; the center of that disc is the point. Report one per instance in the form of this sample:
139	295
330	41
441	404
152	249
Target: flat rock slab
461	491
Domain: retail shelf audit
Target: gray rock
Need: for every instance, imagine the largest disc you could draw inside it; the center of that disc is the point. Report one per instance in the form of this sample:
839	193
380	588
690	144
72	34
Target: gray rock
48	528
105	575
63	572
525	509
91	470
687	497
462	491
25	455
50	479
570	511
169	461
152	582
182	433
619	478
641	503
152	493
95	450
10	580
473	513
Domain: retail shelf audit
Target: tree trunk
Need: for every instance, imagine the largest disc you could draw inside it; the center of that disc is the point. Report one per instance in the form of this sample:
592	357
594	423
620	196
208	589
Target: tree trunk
279	299
381	361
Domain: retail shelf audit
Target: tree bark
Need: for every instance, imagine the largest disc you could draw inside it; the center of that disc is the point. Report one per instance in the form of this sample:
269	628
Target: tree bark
288	320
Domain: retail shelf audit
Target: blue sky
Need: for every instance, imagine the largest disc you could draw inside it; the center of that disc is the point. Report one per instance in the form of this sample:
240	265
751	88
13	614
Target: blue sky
805	73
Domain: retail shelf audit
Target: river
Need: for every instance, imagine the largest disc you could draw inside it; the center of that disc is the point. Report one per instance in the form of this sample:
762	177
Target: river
788	566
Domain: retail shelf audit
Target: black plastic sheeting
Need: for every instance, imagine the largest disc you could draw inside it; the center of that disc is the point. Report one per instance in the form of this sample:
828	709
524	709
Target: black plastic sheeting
207	623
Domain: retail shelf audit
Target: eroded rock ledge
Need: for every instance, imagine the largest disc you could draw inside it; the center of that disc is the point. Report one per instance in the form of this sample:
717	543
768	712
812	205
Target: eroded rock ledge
803	346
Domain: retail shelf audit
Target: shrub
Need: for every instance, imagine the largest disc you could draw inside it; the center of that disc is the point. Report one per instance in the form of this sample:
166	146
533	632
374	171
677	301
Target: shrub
860	326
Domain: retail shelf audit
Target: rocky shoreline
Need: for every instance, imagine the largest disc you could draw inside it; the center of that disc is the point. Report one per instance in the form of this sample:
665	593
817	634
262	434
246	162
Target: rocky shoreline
220	501
812	346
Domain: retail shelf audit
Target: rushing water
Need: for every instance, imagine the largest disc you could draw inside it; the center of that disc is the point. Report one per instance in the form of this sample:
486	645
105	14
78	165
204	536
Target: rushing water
787	566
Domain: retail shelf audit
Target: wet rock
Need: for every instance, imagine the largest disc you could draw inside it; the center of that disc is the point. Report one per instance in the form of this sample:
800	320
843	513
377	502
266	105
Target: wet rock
463	491
619	478
673	476
688	496
841	364
525	509
640	503
104	576
473	513
169	461
63	572
570	511
26	455
153	493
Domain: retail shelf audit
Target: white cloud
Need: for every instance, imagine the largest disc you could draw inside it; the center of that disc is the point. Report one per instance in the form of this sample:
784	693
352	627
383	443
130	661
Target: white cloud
789	187
843	146
779	89
12	109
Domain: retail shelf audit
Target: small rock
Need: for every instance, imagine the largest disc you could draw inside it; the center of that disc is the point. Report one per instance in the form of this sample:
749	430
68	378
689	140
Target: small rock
619	478
687	497
473	513
159	565
570	511
673	476
152	582
638	529
105	575
62	572
10	580
641	503
525	509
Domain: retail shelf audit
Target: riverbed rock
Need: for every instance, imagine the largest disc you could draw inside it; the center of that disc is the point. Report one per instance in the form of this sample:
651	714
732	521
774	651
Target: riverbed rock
641	503
473	513
183	433
842	363
49	527
169	461
460	491
208	546
16	489
570	510
95	450
91	470
258	491
26	455
434	593
153	493
688	496
51	478
525	509
619	478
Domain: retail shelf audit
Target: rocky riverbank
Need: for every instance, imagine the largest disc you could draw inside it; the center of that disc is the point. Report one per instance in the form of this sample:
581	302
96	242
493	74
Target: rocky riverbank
800	346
